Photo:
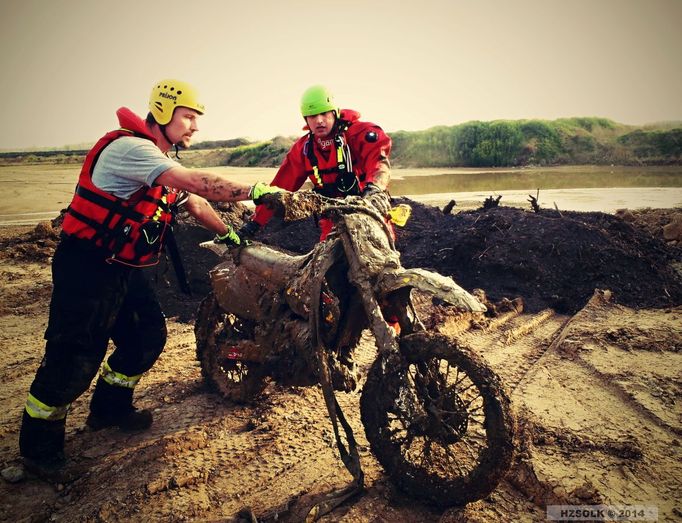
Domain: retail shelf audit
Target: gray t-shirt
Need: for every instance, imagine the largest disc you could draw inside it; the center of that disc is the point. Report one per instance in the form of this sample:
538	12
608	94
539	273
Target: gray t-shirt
129	163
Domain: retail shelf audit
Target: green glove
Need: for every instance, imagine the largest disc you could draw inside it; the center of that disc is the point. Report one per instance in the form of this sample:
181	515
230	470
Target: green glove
230	237
261	189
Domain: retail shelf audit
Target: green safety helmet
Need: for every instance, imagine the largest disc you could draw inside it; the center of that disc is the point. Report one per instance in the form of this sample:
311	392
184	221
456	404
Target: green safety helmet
317	99
169	94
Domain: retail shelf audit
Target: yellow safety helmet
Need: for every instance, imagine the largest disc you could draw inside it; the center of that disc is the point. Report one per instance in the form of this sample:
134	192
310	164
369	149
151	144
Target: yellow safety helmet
169	94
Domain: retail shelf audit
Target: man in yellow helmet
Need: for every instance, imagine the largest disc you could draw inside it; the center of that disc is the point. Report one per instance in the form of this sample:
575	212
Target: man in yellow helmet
121	213
340	155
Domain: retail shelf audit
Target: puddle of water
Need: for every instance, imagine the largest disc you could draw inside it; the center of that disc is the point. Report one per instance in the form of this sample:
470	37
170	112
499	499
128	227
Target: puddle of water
577	188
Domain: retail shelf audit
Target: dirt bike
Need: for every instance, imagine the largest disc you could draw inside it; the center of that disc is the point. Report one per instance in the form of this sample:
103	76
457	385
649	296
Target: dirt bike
436	417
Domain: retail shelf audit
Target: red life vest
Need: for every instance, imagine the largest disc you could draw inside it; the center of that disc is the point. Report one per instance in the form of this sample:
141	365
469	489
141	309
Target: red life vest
333	176
132	230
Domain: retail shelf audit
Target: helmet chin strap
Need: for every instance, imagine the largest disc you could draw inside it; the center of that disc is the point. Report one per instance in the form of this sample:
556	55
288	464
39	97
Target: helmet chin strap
163	132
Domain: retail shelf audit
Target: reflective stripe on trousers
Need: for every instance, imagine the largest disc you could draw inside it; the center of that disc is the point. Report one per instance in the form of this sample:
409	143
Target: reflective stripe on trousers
116	378
38	409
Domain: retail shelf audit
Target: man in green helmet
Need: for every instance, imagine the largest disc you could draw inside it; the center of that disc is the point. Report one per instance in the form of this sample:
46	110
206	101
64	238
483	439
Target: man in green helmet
340	155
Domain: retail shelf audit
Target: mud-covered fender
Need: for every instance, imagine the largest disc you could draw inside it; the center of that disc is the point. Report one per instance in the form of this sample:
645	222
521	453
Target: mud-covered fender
218	248
433	283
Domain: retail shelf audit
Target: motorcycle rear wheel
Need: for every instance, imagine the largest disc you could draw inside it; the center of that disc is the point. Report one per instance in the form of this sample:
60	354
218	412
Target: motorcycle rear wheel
438	420
216	333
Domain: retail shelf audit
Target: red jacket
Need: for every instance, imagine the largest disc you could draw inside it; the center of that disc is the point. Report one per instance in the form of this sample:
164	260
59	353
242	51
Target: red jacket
369	149
133	230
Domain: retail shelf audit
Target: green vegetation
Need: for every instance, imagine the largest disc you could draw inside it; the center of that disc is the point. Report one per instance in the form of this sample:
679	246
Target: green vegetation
500	143
221	144
538	142
44	157
656	145
261	154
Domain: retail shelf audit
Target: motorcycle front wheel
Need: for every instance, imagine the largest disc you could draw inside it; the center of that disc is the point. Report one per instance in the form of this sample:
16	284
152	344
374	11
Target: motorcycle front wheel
223	351
438	420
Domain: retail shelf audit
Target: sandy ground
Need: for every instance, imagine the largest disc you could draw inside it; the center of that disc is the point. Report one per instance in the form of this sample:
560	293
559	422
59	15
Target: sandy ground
596	395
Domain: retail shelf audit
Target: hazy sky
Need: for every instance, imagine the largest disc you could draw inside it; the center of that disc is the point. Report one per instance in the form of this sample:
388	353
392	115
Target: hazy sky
67	65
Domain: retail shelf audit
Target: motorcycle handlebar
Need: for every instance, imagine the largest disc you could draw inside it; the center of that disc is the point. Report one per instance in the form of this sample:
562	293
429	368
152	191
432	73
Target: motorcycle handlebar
299	205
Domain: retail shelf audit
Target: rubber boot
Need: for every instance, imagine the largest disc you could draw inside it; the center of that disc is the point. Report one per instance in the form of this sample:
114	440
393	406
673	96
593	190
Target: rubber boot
41	445
112	406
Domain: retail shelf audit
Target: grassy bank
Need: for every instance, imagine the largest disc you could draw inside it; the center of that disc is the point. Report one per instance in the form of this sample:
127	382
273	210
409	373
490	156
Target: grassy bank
575	141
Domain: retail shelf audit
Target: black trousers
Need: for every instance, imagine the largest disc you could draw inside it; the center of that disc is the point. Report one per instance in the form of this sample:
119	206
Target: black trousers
92	302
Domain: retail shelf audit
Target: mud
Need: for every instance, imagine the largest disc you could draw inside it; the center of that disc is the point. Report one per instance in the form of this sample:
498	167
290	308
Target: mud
595	383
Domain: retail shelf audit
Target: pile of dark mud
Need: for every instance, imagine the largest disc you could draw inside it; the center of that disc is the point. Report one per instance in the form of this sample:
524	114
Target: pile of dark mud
550	258
37	244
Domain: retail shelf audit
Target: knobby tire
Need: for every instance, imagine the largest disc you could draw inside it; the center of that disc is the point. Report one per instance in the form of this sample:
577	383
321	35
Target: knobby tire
437	443
236	381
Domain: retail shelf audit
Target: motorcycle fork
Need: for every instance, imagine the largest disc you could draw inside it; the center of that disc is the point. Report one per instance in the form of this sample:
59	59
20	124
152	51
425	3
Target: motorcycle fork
398	306
339	325
349	453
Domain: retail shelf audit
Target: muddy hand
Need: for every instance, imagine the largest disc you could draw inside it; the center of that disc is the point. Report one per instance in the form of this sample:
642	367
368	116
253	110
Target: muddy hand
378	198
262	193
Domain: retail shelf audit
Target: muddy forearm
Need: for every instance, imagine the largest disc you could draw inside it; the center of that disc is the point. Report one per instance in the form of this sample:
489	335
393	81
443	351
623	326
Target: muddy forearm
212	186
219	188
